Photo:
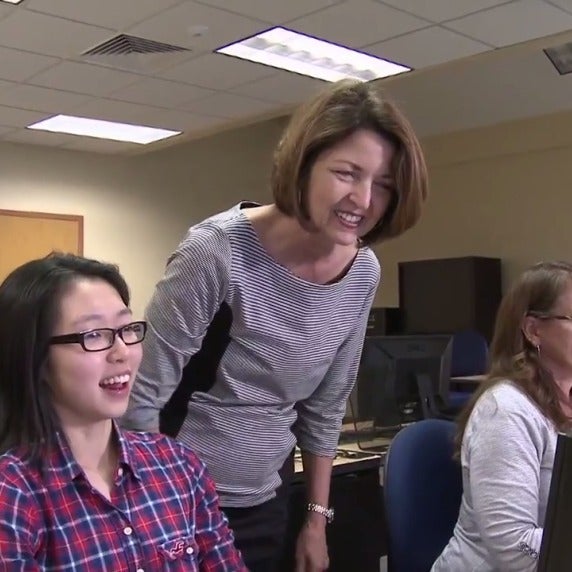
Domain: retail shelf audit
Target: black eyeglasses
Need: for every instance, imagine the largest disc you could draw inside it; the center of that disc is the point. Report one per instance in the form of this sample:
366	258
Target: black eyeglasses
549	316
102	339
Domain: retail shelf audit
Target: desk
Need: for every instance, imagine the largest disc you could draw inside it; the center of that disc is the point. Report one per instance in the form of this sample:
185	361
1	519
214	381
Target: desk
349	459
469	379
467	382
357	537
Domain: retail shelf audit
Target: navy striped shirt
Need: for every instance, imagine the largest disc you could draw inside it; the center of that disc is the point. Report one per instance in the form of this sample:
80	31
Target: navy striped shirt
243	359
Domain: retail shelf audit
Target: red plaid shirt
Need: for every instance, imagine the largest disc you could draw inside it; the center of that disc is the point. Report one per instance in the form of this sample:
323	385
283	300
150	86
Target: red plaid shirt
163	513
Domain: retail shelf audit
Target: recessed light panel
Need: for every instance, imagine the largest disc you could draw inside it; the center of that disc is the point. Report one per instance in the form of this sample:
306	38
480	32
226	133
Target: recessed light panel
285	49
102	129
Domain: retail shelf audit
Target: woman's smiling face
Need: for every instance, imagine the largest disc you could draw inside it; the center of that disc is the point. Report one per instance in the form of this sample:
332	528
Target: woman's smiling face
351	187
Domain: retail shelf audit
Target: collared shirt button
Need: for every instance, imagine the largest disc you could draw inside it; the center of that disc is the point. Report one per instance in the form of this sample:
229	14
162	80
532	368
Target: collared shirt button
189	550
120	474
127	531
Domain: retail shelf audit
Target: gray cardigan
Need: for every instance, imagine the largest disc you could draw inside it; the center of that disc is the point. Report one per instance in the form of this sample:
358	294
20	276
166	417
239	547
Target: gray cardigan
507	457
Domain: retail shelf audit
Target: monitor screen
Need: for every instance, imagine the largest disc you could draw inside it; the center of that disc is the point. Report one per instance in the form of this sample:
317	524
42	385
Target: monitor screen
387	384
556	548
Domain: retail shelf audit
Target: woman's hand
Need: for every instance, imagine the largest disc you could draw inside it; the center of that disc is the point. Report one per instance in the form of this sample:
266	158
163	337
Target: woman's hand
311	547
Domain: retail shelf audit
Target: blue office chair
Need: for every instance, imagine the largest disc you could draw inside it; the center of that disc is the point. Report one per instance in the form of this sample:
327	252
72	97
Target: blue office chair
470	356
422	493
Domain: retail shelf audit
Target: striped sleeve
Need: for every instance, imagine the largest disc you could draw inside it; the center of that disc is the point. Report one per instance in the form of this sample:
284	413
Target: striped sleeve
213	534
180	311
320	416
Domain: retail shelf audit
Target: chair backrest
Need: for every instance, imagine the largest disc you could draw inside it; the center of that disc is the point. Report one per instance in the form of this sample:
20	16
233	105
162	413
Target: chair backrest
470	354
422	493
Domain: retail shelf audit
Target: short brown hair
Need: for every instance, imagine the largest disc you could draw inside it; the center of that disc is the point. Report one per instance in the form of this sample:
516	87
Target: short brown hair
330	117
512	356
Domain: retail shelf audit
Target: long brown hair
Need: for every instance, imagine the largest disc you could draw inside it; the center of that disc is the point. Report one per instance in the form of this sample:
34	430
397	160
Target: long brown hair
512	356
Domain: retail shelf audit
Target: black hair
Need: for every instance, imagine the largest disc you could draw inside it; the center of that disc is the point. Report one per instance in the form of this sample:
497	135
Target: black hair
30	297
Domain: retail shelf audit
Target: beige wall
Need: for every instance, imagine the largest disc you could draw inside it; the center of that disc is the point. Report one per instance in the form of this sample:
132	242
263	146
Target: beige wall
136	209
128	218
212	174
501	191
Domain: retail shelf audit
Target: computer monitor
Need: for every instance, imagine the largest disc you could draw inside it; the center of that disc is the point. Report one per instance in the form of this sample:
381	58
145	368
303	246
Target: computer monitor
387	383
556	548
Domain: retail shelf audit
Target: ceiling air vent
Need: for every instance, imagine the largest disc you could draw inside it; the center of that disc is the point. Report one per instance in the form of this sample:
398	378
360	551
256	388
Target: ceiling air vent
561	57
124	44
133	53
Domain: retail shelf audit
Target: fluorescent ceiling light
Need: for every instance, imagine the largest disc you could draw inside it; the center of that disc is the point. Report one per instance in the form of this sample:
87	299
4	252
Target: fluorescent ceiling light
12	1
102	129
292	51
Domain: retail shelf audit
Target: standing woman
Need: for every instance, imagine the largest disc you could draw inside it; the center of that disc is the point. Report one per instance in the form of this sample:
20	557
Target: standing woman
256	329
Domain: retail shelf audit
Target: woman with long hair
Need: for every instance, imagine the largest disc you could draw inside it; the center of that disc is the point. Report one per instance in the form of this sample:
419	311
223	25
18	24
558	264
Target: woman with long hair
507	435
77	492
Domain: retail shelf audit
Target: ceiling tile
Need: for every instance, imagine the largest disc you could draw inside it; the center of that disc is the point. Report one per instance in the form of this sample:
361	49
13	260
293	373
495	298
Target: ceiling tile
564	4
48	35
230	106
19	66
513	23
41	99
84	78
110	110
160	92
176	25
14	117
514	84
427	47
4	130
179	120
148	64
218	71
112	14
274	12
94	145
33	137
5	9
6	85
440	10
282	87
364	22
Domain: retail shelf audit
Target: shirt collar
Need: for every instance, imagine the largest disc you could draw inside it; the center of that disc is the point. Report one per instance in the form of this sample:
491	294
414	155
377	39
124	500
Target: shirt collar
127	454
63	468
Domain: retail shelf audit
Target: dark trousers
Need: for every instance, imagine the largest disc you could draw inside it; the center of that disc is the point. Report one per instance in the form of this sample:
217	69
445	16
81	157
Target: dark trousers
259	531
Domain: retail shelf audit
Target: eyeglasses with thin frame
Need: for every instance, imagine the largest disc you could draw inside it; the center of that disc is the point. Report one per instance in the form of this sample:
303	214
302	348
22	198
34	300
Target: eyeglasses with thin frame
100	339
549	316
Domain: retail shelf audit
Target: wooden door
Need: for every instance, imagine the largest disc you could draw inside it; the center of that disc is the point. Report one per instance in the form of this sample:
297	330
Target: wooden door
28	235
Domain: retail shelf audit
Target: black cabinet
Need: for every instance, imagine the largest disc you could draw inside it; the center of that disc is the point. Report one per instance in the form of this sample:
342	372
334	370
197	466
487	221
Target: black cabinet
450	294
384	322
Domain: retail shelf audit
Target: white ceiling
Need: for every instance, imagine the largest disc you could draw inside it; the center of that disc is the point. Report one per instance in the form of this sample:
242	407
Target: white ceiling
43	72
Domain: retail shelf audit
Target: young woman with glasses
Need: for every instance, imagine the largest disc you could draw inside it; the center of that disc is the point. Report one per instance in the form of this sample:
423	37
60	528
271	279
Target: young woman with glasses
76	492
